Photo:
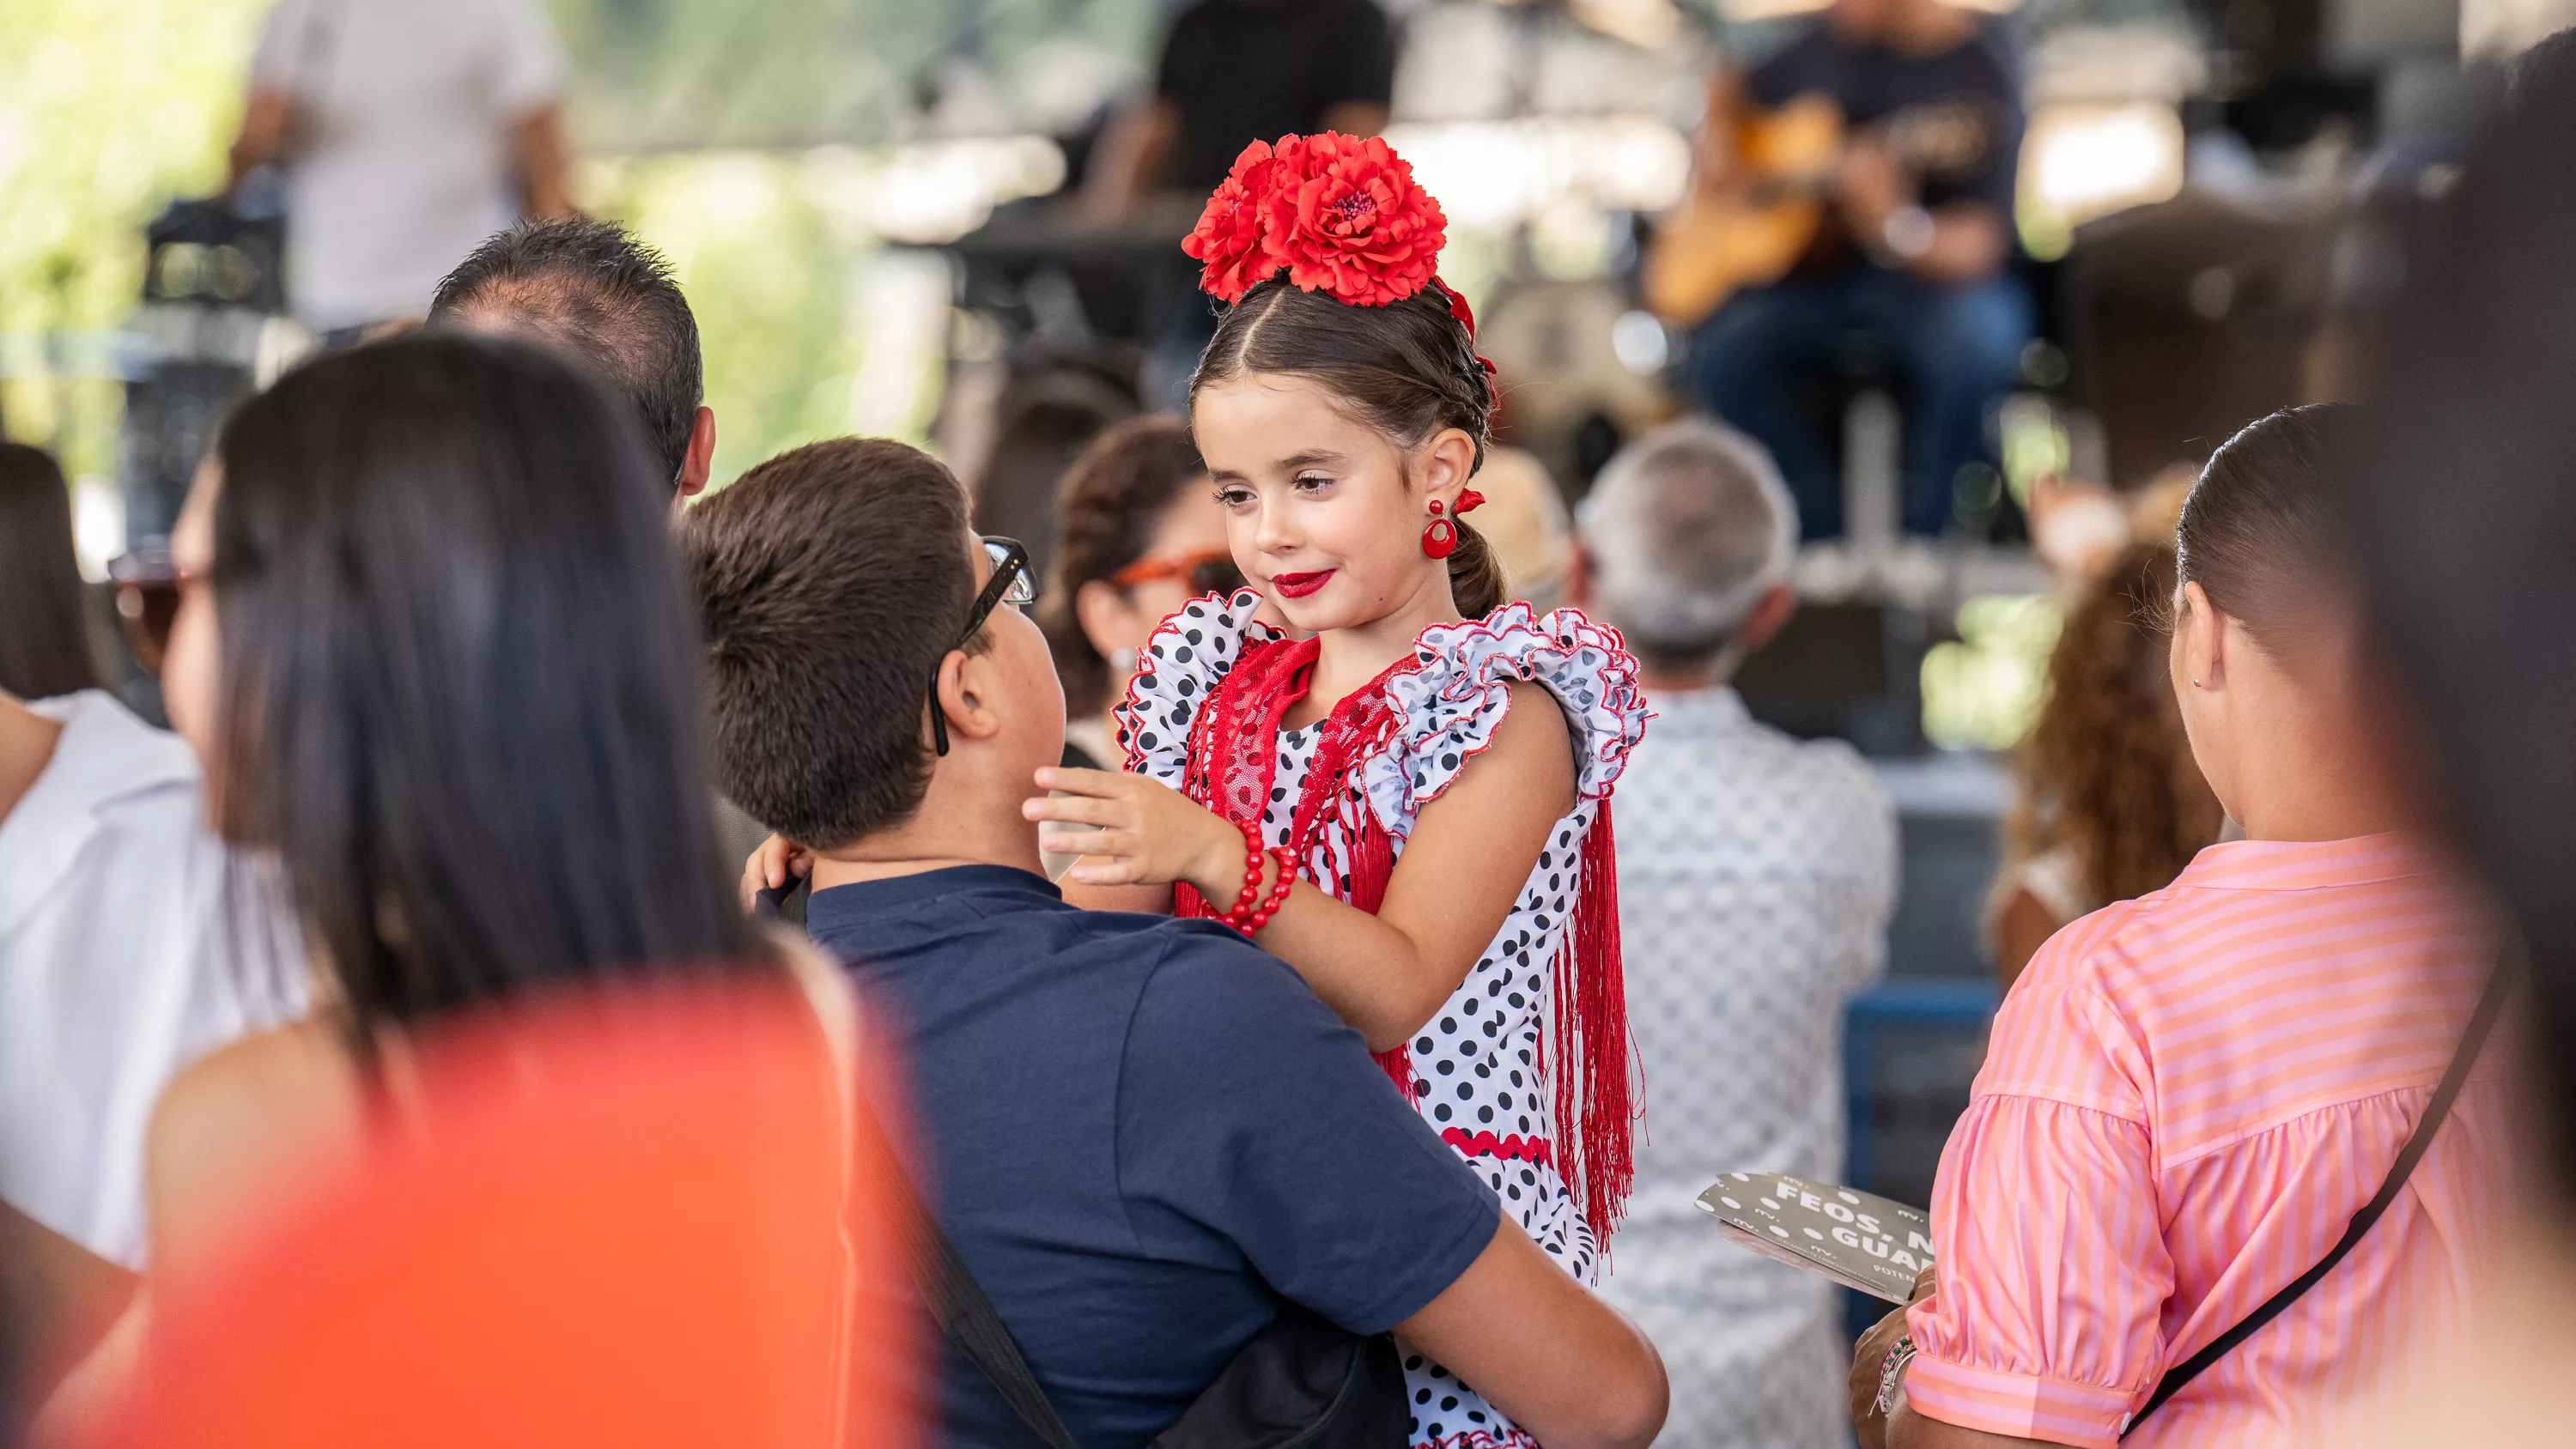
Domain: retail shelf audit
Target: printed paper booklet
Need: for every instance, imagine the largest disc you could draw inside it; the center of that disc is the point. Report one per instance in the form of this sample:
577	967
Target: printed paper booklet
1865	1242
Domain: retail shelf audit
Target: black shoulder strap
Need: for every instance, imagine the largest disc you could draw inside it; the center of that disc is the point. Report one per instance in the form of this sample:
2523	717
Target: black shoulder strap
2453	1078
969	1319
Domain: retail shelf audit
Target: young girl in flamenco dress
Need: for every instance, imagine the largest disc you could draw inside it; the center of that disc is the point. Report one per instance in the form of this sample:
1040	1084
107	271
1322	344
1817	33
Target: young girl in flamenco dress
1405	796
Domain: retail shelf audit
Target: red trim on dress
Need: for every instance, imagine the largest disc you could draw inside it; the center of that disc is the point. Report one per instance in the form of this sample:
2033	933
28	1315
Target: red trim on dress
1514	1147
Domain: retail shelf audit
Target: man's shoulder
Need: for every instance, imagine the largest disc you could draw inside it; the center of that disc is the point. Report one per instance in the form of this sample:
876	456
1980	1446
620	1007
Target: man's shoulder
1825	765
1795	62
1756	757
1208	969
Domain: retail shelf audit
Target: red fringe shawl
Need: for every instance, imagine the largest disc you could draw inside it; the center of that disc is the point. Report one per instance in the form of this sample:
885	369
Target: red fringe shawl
1234	754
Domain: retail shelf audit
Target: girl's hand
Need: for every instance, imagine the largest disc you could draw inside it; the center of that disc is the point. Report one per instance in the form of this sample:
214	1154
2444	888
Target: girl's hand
770	866
1148	833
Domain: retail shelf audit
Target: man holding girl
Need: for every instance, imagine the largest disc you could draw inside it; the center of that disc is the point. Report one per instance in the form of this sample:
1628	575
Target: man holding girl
1406	804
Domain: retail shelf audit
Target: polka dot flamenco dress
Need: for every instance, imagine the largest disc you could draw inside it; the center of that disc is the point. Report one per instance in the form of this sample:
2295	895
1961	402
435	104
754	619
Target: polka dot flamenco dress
1480	1069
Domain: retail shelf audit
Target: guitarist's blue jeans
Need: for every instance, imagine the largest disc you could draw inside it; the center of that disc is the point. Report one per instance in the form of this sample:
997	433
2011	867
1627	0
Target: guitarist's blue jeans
1768	357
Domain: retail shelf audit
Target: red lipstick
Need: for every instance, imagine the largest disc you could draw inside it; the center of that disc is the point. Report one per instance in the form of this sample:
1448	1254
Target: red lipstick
1298	586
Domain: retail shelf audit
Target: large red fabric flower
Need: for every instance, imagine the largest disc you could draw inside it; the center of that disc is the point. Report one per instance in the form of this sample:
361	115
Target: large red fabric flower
1355	226
1342	214
1232	234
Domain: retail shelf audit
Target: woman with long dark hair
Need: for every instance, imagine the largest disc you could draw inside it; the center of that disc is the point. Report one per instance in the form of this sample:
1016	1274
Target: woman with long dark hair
436	656
44	646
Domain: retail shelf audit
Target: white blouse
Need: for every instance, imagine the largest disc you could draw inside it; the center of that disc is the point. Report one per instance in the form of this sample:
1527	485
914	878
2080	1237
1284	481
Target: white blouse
121	961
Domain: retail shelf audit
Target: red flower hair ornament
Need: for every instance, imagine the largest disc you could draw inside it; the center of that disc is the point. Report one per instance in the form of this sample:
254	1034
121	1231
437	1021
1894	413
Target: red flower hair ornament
1341	214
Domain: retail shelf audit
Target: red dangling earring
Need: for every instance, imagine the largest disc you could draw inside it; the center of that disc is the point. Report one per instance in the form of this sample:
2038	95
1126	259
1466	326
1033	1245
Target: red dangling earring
1440	539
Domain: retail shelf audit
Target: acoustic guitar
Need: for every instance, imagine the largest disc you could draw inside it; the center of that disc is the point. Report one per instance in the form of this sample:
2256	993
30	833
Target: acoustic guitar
1750	226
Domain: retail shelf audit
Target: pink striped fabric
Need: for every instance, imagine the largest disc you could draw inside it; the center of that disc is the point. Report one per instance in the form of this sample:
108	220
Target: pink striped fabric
2186	1098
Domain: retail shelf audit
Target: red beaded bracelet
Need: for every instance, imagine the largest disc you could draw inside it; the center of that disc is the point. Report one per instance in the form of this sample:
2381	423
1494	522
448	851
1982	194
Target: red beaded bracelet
1246	916
1279	889
1252	857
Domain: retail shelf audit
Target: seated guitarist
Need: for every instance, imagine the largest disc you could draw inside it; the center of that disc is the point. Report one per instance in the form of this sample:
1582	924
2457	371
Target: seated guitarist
1912	248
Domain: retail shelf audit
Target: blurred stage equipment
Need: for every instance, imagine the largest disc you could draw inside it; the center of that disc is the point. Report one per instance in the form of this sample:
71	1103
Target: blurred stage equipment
212	328
2190	318
1056	317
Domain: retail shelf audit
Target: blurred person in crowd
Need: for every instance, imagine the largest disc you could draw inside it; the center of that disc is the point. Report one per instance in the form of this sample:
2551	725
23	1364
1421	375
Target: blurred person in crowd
1524	518
638	1217
514	800
118	960
591	288
1042	423
44	642
1783	855
1141	536
1143	1135
2188	1097
1912	249
2466	521
1233	72
407	133
2107	804
1237	71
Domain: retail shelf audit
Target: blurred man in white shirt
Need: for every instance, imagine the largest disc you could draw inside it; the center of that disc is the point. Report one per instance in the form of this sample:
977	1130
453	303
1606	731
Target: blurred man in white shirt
1756	879
408	133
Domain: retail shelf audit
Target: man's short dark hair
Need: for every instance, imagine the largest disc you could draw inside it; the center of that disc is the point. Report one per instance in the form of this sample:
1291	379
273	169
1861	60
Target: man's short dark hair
833	579
590	286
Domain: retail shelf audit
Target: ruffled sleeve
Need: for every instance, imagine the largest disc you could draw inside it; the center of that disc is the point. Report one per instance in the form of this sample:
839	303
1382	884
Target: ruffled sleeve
1456	697
1181	665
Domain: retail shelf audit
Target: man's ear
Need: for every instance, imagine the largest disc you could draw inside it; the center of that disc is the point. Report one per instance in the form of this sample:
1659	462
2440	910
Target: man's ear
1768	618
966	696
701	456
1578	576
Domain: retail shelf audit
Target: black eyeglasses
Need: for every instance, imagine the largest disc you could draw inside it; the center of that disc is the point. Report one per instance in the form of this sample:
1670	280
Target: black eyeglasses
1011	583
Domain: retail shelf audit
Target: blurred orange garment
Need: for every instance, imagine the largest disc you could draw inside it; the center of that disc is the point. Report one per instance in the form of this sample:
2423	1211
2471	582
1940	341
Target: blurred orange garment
614	1220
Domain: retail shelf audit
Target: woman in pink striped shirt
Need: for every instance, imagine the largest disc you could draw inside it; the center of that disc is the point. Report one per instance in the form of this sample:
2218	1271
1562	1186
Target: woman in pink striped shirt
2189	1095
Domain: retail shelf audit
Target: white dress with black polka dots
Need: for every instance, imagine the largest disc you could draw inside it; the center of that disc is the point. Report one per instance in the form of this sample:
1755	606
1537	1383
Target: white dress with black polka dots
1475	1062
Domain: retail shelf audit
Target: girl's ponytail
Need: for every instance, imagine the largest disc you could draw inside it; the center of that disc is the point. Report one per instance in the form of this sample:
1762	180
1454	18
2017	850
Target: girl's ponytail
1476	581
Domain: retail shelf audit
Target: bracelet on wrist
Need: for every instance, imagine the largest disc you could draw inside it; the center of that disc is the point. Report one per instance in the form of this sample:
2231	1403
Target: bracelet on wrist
1891	1375
1252	910
1251	872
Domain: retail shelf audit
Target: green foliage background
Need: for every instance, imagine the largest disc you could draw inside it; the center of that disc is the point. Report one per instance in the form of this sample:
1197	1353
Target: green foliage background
106	111
695	114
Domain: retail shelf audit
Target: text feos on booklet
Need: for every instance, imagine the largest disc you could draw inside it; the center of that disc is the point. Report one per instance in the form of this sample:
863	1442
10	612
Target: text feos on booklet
1865	1242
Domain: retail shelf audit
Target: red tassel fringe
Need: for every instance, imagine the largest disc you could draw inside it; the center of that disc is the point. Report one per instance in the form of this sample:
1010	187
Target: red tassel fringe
1372	867
1595	1111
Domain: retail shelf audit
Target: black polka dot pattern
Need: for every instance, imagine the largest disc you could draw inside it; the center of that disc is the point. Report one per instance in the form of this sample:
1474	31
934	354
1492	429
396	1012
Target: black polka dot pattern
1475	1058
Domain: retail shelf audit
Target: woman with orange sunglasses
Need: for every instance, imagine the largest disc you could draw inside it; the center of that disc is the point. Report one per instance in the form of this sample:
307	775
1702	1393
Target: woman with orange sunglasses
1142	537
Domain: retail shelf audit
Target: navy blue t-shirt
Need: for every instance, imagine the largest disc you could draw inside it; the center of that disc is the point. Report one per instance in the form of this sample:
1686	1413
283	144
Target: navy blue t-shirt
1141	1134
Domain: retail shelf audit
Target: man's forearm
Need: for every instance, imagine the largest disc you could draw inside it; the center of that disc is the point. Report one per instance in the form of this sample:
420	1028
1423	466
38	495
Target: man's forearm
260	140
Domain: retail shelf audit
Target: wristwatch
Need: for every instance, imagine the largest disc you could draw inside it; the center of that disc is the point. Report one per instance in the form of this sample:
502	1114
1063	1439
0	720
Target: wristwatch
1891	1375
1907	233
